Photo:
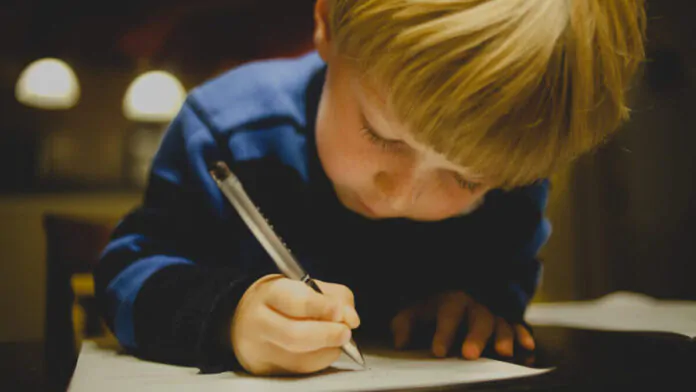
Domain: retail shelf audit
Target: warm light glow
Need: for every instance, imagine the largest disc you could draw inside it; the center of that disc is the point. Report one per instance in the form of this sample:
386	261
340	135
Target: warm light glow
155	96
48	84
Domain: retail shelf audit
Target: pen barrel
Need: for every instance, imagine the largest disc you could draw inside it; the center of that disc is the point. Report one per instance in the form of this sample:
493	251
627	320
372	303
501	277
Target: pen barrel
264	233
232	188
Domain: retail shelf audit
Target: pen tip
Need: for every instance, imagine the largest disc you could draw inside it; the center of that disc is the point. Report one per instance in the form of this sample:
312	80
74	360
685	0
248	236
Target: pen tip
352	350
360	358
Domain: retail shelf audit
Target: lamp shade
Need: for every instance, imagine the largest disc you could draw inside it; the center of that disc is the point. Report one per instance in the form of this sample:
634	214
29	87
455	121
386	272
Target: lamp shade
155	96
48	83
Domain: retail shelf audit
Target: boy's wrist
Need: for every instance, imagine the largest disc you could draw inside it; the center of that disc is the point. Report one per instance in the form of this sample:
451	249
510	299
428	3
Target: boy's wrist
216	353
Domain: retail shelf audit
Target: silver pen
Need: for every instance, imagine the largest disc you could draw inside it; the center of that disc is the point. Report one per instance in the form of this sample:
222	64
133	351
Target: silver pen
234	191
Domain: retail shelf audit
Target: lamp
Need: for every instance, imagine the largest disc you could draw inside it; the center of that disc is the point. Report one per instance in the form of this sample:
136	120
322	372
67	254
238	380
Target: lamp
155	96
48	83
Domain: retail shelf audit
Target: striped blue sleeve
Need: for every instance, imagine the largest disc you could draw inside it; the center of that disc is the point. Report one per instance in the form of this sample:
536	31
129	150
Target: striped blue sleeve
161	283
123	290
514	231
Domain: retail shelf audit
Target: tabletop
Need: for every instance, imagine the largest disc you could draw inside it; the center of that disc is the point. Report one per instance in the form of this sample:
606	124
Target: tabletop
22	366
582	359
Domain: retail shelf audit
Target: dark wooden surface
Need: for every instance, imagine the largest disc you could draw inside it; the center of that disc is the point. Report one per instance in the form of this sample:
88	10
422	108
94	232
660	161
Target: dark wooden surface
584	361
587	360
22	367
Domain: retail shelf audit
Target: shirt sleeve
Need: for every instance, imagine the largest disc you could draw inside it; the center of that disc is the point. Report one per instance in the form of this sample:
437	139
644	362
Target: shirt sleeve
511	229
168	282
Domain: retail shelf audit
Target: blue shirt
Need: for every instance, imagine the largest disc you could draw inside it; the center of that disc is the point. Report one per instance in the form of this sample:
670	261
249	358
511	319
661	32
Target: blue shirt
169	280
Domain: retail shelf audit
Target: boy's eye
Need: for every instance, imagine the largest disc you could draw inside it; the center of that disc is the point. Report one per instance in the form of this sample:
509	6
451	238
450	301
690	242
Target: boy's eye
374	138
391	145
465	184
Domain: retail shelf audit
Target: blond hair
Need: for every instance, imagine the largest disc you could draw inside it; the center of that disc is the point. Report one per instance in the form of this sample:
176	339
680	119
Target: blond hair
510	88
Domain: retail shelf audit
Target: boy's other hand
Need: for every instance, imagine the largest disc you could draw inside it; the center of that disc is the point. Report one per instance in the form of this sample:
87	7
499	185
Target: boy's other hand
448	310
282	326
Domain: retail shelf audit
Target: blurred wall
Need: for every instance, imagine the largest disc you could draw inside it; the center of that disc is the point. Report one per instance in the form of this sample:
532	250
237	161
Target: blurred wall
635	199
558	255
23	252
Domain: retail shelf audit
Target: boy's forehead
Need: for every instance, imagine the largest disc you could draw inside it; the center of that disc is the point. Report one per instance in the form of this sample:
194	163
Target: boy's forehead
368	90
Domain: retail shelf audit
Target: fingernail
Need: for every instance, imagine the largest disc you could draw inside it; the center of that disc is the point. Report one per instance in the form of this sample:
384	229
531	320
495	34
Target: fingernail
439	350
529	343
504	349
471	351
399	341
352	316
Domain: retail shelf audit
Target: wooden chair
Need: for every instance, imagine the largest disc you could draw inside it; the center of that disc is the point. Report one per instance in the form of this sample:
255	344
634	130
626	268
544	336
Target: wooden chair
73	248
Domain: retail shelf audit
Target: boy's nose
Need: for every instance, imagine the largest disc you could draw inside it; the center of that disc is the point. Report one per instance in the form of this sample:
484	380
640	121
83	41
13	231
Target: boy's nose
401	190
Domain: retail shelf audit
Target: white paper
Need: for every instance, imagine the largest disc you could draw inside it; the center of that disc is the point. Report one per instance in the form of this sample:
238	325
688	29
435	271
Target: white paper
620	311
106	370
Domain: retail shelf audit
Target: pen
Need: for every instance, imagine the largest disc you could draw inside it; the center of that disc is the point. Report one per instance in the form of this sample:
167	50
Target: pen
232	188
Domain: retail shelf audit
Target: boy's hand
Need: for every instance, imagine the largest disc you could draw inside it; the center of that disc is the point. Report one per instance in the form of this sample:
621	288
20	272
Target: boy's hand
448	310
282	326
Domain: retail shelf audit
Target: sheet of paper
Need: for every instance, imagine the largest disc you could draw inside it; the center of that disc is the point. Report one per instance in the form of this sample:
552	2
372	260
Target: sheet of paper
105	370
620	311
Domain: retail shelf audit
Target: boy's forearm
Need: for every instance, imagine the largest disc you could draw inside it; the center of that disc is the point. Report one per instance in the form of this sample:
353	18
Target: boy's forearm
502	271
163	299
183	315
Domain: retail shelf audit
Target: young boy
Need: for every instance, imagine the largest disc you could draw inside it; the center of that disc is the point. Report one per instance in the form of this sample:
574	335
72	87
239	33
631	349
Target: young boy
405	161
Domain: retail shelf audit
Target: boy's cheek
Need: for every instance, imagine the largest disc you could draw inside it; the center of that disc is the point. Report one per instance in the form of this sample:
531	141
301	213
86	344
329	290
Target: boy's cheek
347	170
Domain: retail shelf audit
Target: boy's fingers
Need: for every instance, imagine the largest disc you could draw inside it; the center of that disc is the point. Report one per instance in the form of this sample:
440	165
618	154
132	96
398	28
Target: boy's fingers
503	337
350	317
293	363
319	360
338	291
401	326
303	336
450	313
524	337
345	296
480	330
295	299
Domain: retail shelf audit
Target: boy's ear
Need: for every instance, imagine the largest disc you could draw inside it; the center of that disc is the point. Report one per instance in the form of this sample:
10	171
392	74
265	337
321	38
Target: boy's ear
322	39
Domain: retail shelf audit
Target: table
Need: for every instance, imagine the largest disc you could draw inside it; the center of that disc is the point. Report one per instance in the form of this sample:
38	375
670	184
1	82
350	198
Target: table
591	360
584	359
587	361
22	366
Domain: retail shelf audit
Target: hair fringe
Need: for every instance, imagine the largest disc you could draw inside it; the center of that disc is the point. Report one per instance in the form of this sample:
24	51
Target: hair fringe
512	89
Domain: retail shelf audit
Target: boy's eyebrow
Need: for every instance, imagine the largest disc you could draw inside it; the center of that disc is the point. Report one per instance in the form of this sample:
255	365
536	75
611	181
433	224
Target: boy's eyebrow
371	127
364	98
363	114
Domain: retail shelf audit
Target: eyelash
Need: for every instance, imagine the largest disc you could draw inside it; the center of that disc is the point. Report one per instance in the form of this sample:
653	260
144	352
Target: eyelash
388	145
465	184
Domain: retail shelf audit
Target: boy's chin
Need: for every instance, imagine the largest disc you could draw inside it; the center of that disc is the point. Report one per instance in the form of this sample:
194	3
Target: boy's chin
360	208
